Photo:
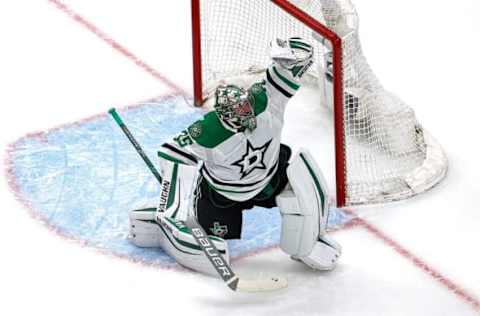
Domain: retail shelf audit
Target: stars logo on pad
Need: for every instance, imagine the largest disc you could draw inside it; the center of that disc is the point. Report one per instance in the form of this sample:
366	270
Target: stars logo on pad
252	159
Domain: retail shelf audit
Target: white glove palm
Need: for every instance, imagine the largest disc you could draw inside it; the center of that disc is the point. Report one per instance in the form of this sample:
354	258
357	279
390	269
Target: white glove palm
294	55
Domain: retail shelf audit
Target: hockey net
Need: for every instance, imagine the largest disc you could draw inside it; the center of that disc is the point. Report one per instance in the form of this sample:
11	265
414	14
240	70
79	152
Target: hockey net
382	152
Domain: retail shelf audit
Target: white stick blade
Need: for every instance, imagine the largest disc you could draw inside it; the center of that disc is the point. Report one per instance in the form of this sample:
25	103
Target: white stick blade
262	285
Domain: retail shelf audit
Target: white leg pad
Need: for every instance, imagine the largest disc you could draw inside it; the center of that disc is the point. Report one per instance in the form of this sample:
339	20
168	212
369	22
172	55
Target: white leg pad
148	230
303	206
180	244
324	255
144	231
299	231
176	189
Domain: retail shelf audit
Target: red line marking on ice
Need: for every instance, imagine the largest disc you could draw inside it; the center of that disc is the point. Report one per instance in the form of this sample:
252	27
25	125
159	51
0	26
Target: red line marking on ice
418	262
115	45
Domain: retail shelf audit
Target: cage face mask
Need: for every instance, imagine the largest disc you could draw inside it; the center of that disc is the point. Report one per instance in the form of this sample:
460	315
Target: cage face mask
234	107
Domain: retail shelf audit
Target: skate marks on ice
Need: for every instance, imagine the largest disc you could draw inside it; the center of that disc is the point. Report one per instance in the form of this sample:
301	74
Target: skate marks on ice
82	179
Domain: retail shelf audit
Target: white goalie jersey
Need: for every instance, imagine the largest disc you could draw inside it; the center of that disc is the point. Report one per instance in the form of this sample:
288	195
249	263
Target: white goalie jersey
239	165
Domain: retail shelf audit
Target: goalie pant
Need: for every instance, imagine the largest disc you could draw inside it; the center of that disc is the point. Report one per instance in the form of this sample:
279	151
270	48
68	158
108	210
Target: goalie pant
223	217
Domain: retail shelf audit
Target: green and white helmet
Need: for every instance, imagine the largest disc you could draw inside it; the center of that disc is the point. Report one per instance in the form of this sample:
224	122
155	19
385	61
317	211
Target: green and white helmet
234	106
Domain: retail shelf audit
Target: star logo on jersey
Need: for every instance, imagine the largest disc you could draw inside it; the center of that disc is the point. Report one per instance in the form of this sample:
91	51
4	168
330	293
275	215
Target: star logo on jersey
252	159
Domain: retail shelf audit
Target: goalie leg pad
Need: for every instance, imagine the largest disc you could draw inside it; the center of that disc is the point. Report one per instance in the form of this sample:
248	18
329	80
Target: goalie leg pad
178	241
144	231
324	255
148	230
303	206
299	231
176	189
175	193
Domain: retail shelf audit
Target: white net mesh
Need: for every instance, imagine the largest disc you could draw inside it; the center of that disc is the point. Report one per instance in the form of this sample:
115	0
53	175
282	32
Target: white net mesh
236	34
388	156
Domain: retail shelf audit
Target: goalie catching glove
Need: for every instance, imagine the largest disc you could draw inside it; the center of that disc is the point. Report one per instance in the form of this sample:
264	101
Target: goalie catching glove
294	55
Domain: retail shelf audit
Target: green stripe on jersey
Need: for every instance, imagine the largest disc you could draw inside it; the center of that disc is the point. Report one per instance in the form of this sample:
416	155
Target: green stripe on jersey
169	158
277	86
290	83
282	81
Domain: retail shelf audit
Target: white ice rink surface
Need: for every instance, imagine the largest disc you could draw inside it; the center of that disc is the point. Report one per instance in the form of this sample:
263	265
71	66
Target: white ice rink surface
419	257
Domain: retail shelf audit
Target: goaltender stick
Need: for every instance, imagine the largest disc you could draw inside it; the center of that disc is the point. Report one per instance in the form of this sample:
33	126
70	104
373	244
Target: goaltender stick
232	160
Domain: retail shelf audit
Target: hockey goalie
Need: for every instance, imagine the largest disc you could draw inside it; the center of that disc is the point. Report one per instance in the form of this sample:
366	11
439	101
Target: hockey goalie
231	161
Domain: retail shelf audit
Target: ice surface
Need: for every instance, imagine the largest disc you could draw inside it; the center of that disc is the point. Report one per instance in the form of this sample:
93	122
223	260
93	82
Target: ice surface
55	71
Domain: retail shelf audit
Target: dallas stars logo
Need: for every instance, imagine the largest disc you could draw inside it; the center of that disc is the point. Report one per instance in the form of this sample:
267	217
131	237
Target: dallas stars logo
252	159
219	230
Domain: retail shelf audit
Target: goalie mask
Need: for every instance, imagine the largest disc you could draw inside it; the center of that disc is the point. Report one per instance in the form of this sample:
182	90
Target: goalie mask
234	106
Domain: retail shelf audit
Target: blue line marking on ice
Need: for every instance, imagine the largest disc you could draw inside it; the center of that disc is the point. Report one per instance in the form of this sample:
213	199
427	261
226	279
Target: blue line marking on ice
84	178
